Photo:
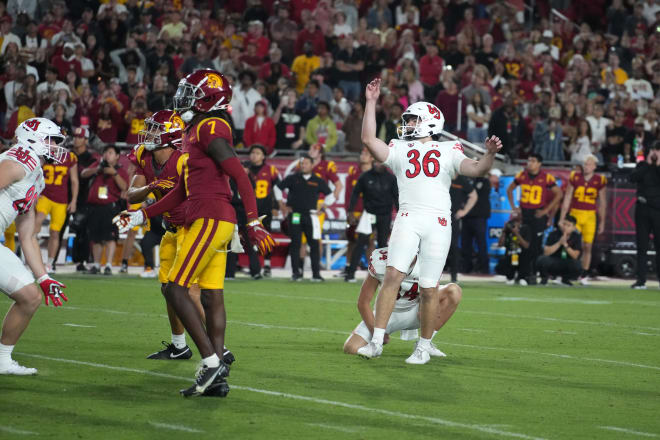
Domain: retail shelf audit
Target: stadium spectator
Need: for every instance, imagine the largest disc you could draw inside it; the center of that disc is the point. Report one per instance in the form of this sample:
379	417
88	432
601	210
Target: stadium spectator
321	129
581	144
447	102
478	114
340	108
430	68
311	34
561	253
380	15
349	63
243	102
260	129
548	137
108	180
289	126
303	65
304	188
514	238
200	60
507	124
619	139
352	129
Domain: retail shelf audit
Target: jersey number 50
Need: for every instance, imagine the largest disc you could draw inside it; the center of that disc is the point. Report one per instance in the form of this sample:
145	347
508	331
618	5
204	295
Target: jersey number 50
413	158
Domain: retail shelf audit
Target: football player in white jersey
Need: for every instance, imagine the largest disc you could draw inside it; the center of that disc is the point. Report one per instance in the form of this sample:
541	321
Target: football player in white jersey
406	309
21	182
424	168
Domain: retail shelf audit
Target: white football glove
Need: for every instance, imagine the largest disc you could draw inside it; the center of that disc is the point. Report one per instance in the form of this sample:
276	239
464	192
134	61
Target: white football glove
127	220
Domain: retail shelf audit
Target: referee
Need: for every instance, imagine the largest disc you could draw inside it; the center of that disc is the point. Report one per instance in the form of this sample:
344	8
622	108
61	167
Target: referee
304	190
647	211
380	194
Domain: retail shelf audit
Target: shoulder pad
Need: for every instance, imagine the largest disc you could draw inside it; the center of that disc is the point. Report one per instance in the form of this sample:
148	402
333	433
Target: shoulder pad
215	126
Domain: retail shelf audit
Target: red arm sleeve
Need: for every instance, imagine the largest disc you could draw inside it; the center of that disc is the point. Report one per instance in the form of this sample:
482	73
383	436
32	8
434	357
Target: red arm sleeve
173	199
234	169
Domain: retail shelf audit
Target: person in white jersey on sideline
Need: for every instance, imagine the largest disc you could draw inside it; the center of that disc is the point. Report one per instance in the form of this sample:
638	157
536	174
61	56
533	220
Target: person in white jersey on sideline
21	182
424	168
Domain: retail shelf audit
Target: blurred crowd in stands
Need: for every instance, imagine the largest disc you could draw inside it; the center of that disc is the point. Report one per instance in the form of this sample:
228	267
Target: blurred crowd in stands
535	78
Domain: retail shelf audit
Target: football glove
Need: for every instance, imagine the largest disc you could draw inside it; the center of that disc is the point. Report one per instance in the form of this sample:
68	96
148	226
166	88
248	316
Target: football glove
127	220
259	237
163	185
52	290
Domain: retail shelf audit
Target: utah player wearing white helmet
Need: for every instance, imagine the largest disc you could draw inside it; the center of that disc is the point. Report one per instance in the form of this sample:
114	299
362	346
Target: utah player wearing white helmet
21	182
406	309
424	168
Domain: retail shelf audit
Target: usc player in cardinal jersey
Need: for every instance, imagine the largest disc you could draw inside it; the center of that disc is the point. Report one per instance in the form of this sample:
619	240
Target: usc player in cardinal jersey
159	163
586	195
201	99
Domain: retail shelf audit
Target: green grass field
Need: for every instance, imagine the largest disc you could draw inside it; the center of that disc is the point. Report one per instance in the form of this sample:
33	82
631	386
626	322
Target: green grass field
547	362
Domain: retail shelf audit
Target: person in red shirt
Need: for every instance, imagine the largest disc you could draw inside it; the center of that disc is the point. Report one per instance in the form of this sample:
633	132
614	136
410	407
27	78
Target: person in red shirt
256	35
202	99
55	201
430	68
108	182
66	62
539	195
260	129
312	34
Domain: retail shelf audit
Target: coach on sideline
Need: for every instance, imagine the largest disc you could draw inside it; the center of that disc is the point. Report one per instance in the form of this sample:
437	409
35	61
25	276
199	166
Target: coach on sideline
304	188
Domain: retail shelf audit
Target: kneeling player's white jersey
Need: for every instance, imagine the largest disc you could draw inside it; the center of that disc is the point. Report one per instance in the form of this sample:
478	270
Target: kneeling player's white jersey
408	292
424	172
19	197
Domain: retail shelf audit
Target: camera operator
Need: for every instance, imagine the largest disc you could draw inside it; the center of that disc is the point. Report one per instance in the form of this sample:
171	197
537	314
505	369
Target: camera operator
515	237
108	182
561	253
647	211
304	189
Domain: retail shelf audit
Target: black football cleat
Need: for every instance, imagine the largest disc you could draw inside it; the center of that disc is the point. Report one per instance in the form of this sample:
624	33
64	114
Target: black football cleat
219	388
205	377
228	357
170	352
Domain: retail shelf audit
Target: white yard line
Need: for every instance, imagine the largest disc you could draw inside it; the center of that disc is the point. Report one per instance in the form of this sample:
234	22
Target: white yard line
552	300
68	324
646	334
334	427
629	431
321	330
11	430
400	415
568	321
561	332
176	427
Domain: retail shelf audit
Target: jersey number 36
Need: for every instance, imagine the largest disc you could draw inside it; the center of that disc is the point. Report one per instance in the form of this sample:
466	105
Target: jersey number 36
430	158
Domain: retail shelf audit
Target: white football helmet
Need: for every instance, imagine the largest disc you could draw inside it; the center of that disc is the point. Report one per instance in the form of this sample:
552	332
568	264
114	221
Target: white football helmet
44	137
420	120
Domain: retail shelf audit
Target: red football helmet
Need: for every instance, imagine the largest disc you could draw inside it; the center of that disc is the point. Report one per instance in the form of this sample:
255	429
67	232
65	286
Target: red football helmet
163	128
202	91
